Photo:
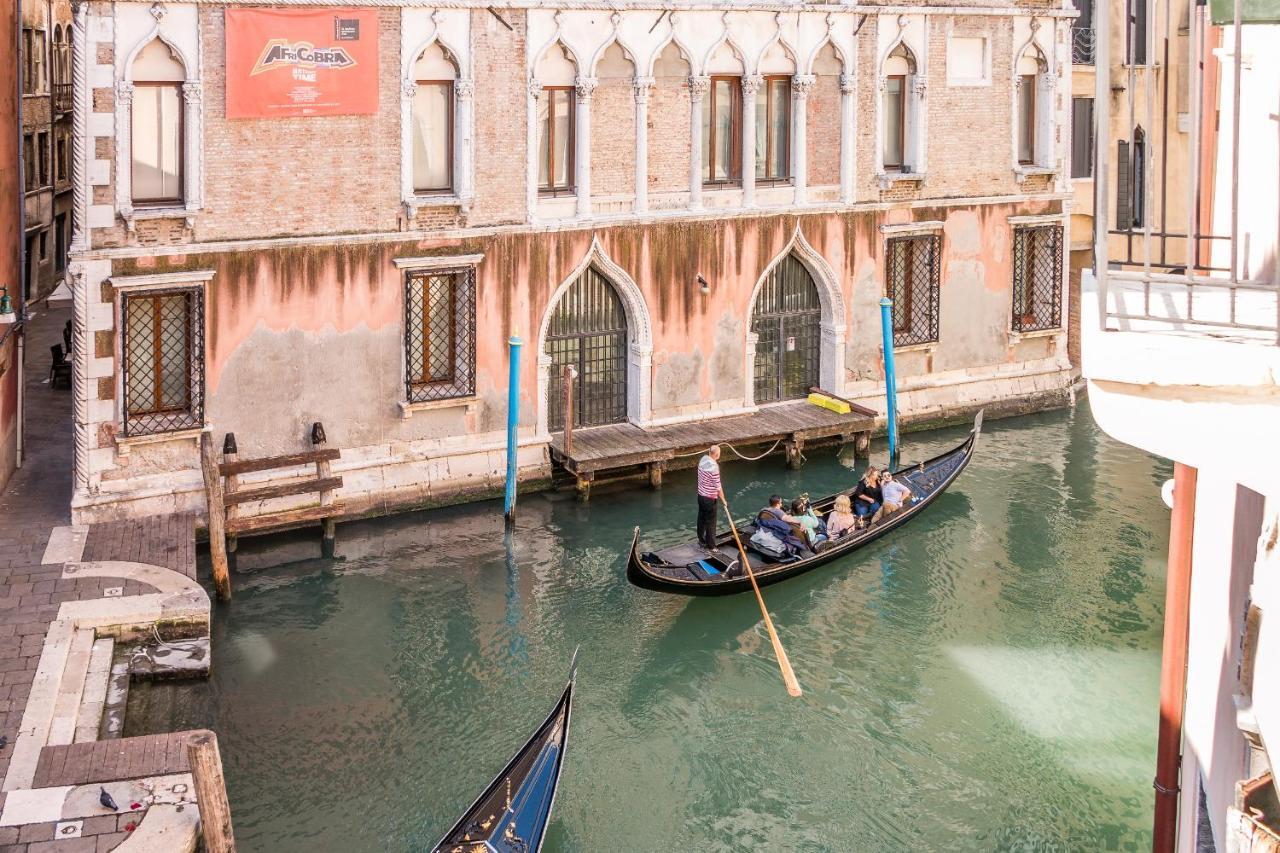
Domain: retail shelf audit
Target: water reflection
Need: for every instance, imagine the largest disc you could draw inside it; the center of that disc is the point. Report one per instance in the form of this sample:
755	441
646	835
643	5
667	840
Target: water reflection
983	679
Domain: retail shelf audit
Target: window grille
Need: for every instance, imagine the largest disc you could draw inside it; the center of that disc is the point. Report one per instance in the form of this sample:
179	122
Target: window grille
1037	278
440	334
163	347
787	322
588	331
913	277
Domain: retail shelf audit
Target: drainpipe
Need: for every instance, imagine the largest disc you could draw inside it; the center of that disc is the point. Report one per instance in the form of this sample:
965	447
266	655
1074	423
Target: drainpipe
1173	660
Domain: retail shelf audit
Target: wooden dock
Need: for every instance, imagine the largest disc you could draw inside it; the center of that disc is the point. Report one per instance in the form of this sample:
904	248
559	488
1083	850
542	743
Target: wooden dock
624	451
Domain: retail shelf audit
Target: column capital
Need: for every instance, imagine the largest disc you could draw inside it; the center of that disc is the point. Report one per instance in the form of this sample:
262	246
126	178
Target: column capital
464	89
919	86
192	91
802	85
586	87
124	91
848	83
408	88
751	84
641	87
699	86
535	87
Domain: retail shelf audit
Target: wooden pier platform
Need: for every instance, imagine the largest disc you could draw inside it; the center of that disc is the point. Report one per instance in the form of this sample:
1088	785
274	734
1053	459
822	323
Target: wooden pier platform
624	451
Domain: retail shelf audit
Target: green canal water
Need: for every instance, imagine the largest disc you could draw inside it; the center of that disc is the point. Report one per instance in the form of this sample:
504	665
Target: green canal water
984	679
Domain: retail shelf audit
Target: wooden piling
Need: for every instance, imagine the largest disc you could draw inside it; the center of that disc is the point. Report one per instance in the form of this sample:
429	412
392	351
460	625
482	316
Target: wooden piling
566	381
328	542
230	453
211	792
217	517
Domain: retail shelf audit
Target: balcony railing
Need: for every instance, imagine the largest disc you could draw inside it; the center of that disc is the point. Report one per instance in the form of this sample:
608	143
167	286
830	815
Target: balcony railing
1082	45
61	97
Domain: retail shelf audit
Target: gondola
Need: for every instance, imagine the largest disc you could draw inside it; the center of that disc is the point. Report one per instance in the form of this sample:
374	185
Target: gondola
690	569
511	815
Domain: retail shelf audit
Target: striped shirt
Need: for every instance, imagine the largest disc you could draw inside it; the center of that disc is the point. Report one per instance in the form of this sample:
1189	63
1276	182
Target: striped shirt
708	477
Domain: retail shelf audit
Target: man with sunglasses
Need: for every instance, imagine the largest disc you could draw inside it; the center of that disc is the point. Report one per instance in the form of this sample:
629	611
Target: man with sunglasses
896	495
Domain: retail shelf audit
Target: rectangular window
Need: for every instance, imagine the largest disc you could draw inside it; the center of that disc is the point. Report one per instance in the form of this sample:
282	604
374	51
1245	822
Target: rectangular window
555	140
1082	137
28	75
44	246
722	131
912	281
42	157
895	117
440	334
1136	12
1027	119
157	143
433	136
60	242
1037	278
29	162
163	357
60	157
773	129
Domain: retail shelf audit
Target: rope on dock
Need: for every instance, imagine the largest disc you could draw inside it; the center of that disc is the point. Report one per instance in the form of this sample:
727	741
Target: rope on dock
772	448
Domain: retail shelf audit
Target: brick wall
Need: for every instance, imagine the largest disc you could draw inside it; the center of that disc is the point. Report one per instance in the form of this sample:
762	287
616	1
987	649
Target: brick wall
824	131
501	103
968	139
613	138
669	134
313	175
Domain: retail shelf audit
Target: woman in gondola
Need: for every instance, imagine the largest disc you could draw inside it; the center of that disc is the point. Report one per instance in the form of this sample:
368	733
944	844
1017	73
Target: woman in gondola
841	518
867	497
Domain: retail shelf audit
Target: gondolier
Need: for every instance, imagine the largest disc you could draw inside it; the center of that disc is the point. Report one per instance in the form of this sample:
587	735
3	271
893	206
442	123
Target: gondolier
709	492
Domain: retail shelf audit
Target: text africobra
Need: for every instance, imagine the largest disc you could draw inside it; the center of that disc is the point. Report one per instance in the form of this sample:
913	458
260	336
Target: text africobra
281	53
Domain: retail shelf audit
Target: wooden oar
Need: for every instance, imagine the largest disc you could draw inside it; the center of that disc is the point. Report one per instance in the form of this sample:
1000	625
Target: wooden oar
784	663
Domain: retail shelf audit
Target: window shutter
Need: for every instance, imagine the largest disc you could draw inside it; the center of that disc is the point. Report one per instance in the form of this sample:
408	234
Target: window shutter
1081	137
1124	187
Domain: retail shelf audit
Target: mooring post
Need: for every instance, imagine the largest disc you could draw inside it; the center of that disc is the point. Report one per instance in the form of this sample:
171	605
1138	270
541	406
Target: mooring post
323	471
211	792
217	516
890	379
567	374
513	422
230	453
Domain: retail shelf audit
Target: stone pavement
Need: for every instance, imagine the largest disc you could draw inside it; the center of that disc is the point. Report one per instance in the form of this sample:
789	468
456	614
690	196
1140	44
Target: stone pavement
32	594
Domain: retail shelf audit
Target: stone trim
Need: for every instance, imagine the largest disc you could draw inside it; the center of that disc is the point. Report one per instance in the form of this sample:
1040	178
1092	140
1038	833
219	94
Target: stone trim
158	281
904	228
437	262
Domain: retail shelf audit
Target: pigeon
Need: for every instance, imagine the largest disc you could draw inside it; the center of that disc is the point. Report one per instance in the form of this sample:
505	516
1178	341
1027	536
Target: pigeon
106	801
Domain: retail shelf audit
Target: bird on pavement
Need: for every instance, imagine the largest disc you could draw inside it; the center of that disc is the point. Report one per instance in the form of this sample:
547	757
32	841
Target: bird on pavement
106	801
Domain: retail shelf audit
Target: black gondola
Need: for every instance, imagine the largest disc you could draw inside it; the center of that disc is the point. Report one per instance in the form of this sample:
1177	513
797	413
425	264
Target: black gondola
690	569
511	815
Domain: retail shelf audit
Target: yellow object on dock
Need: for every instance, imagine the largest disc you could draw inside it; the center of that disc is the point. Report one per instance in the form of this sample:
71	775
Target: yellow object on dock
838	406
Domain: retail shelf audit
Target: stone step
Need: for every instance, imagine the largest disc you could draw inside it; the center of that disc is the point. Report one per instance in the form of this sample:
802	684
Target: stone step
93	702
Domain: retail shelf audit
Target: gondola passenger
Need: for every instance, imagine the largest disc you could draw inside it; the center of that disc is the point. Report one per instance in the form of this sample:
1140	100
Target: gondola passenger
815	531
896	495
841	518
867	497
777	520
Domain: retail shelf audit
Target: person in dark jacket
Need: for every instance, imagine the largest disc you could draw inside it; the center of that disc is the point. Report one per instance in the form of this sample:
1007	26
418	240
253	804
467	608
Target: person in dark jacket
868	498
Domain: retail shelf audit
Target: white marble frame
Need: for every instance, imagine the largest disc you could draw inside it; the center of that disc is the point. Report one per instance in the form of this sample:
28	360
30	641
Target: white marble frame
913	144
639	338
1046	85
831	357
192	130
463	193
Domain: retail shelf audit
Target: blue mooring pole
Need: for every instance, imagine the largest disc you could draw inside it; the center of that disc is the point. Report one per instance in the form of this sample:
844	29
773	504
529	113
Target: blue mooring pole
513	421
890	378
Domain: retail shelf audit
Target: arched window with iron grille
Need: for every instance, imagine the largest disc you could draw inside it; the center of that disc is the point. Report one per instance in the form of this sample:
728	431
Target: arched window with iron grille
588	331
787	322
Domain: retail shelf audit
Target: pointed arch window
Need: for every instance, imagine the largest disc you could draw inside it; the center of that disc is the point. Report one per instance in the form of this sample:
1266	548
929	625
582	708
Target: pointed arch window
156	126
899	71
435	75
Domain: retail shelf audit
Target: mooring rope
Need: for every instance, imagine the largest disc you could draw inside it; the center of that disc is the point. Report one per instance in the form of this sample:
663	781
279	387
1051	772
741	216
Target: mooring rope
772	448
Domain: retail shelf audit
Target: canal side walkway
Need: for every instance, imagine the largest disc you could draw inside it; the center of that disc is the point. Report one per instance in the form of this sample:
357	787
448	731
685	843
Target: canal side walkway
67	596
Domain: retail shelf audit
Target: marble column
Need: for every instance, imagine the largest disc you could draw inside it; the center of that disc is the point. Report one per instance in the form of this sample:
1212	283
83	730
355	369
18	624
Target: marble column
585	88
750	86
848	137
463	145
531	147
698	88
642	87
801	86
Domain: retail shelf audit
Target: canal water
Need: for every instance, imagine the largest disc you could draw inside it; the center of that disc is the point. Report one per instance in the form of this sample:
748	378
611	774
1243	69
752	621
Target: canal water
984	679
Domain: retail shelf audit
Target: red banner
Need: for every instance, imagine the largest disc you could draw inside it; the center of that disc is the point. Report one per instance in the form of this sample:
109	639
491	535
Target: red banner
301	62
